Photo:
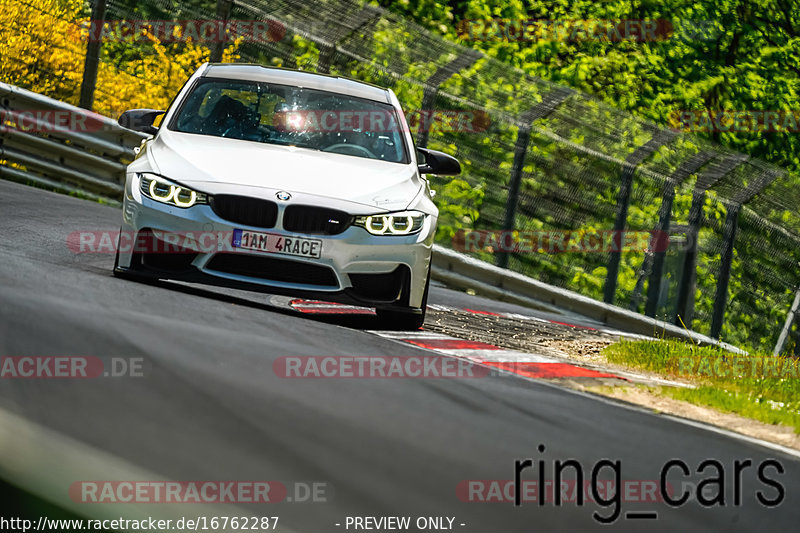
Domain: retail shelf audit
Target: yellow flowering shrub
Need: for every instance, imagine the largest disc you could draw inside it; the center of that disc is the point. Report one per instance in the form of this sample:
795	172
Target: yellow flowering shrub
43	49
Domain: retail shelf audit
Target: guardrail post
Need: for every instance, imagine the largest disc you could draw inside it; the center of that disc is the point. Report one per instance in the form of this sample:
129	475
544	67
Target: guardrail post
684	309
741	197
548	104
687	168
660	137
223	14
92	61
432	84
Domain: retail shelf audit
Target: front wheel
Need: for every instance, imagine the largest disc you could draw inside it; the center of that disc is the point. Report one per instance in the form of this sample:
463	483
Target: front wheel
405	320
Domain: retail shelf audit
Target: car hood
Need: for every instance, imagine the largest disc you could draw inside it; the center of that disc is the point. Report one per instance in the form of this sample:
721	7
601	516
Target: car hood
201	161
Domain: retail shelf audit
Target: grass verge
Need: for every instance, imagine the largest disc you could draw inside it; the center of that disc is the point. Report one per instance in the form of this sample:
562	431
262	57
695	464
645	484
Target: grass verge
759	386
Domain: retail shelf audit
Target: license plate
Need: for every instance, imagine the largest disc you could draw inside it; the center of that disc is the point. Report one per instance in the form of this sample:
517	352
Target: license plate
277	244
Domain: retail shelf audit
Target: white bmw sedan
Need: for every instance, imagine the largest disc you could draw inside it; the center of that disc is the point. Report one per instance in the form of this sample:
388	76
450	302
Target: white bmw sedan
283	182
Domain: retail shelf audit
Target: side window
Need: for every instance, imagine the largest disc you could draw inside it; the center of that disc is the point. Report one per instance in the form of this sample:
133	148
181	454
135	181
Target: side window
197	106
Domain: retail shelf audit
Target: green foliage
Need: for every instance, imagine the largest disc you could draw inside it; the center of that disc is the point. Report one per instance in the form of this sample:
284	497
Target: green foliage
732	54
707	56
459	206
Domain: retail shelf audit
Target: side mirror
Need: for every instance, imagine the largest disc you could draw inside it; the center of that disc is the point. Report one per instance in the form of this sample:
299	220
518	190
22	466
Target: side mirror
435	162
140	120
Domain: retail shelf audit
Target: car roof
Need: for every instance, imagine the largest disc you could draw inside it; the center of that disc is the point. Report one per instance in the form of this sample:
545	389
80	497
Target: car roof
282	76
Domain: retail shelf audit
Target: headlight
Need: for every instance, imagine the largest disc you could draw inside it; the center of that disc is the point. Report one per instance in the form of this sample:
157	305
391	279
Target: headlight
403	223
164	191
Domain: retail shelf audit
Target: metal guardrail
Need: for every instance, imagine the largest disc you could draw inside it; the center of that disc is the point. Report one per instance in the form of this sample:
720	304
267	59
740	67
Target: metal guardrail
464	272
59	146
93	162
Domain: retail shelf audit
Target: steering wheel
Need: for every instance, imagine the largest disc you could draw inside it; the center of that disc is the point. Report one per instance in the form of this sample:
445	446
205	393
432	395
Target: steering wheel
338	146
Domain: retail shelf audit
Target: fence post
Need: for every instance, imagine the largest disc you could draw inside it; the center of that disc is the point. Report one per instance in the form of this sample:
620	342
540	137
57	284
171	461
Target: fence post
741	197
726	258
355	21
92	61
548	104
431	88
223	14
685	304
660	137
787	326
689	167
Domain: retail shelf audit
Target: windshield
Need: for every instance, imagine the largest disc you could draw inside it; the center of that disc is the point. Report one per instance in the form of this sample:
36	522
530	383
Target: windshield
293	116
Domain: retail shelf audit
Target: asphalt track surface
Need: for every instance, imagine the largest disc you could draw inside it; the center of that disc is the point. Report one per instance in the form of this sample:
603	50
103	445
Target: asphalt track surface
210	407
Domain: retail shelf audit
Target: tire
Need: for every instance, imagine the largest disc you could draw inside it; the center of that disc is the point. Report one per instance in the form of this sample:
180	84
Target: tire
410	320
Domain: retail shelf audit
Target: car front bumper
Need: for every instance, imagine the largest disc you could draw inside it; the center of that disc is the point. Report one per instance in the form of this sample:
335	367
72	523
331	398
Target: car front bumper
195	245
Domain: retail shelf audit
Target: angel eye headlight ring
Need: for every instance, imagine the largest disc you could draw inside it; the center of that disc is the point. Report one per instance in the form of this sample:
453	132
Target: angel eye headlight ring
162	190
397	224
